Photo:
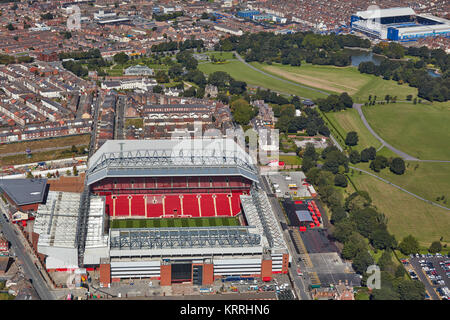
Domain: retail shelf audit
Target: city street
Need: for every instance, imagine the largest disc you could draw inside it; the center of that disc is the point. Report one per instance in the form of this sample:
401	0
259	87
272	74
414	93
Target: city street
29	267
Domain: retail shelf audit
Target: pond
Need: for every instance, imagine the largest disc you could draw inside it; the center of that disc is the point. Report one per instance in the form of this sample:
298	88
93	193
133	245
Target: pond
359	56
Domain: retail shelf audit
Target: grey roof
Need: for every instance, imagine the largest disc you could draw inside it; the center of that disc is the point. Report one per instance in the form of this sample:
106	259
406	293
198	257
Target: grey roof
168	238
116	158
385	13
24	191
304	215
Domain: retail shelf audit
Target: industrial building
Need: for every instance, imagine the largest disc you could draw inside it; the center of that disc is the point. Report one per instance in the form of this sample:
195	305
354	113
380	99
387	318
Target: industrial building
399	24
165	179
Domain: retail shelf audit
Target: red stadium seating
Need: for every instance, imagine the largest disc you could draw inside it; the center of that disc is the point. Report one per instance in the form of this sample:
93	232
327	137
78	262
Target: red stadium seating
172	205
204	182
207	205
179	182
154	206
138	205
223	205
190	205
236	203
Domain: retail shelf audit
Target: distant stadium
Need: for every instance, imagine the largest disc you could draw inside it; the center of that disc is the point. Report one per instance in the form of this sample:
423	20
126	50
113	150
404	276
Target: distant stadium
399	24
171	210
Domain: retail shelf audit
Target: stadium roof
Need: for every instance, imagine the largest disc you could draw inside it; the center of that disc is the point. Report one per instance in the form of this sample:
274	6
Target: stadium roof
24	191
385	13
195	157
169	238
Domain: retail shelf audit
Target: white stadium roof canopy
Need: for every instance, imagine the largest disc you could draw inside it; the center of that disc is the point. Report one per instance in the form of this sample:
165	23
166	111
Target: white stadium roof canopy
385	13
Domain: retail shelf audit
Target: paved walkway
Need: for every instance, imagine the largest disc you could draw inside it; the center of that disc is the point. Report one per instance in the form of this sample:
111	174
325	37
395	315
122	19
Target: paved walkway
400	188
400	153
383	143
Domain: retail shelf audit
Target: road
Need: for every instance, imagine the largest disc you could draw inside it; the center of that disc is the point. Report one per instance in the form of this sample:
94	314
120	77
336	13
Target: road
120	118
400	153
400	188
29	267
299	282
277	78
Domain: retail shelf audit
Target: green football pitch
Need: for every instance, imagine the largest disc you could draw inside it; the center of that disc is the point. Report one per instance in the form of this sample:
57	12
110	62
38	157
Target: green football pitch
174	222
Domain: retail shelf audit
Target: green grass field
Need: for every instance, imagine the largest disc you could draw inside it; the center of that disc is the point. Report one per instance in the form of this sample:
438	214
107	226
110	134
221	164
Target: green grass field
426	179
406	214
174	222
240	71
419	130
349	120
291	160
340	79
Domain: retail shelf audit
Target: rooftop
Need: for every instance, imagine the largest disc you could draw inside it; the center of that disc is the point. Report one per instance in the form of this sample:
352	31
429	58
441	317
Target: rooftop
24	191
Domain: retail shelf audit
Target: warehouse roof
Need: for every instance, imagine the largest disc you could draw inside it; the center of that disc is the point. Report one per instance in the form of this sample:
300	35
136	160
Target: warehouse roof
24	191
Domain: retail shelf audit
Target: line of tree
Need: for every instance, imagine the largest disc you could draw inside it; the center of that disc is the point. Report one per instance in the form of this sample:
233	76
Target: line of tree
335	102
413	73
178	45
6	59
293	48
168	16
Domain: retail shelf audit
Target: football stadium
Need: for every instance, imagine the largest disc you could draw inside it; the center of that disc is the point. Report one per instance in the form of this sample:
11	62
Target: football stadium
170	210
399	24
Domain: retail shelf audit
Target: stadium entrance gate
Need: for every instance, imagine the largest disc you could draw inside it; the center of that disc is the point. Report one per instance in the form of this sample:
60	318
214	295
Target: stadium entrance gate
181	271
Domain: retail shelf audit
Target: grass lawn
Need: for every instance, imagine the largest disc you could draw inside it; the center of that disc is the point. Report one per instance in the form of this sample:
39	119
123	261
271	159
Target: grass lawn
40	156
241	72
137	122
174	222
220	54
340	79
45	143
294	160
419	130
406	214
349	120
426	179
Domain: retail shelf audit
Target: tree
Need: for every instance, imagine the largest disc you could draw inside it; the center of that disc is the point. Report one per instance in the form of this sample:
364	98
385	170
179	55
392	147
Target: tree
379	163
157	89
340	180
381	239
411	290
75	171
343	229
384	294
354	157
362	261
337	214
74	149
409	245
162	77
354	245
121	58
397	166
351	139
242	111
435	247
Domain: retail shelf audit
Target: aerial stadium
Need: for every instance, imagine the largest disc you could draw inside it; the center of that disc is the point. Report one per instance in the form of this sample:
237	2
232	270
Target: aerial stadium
170	210
399	24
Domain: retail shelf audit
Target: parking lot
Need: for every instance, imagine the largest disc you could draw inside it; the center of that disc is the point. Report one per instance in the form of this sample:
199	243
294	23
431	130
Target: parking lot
433	271
280	184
